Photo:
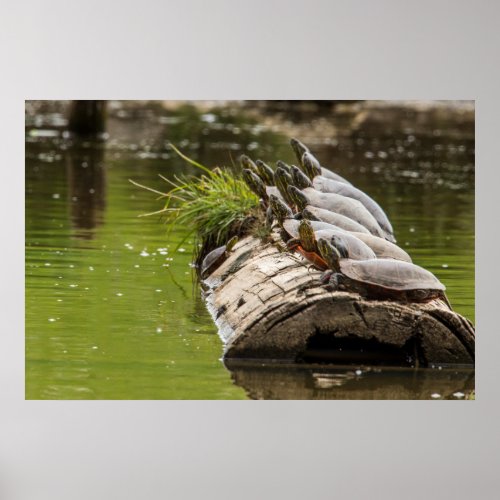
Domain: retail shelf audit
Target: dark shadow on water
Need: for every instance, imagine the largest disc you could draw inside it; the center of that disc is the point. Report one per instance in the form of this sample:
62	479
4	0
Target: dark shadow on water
86	176
316	381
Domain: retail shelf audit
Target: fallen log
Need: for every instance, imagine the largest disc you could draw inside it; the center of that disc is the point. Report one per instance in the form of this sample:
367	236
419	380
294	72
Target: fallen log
269	304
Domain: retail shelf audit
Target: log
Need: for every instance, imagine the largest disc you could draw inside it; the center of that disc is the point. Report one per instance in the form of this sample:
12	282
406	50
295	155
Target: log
270	304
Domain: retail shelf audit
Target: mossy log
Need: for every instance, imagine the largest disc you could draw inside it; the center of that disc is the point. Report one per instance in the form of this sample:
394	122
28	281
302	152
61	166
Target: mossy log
270	304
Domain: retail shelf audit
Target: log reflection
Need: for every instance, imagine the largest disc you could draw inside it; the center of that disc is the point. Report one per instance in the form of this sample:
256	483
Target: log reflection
265	381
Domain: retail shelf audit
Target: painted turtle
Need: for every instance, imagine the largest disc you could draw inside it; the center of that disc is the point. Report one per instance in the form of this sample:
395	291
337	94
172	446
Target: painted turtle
283	179
379	278
266	173
216	257
300	149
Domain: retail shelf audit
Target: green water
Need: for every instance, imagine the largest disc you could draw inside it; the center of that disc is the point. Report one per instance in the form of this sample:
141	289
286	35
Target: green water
111	310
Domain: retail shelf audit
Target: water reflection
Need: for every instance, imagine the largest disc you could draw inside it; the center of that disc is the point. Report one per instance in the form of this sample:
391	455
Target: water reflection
86	178
277	381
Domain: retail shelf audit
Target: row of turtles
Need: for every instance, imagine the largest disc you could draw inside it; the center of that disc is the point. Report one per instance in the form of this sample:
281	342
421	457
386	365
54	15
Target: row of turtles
338	228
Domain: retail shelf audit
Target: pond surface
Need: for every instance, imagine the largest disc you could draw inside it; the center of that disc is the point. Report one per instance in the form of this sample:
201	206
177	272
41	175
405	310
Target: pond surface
111	309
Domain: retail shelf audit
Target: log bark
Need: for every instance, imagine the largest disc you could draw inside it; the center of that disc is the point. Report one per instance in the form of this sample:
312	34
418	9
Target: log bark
270	304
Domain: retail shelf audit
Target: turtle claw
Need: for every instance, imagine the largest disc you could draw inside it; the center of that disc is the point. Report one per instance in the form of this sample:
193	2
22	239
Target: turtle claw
330	280
325	277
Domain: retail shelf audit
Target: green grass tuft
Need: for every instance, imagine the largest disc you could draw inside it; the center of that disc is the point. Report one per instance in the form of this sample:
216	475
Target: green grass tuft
216	206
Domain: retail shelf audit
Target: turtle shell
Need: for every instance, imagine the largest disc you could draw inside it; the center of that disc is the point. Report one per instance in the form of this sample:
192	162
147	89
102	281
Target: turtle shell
212	261
390	274
348	207
325	172
383	249
357	249
336	219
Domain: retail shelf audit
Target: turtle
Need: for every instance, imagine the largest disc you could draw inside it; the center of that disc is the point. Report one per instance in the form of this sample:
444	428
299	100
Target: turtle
280	209
248	163
304	234
339	220
300	149
254	182
300	180
283	165
265	172
325	185
383	248
216	257
283	179
380	279
343	205
320	170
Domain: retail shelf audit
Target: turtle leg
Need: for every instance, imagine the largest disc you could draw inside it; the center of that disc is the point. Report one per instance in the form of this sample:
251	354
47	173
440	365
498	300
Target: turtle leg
325	277
333	282
269	217
292	244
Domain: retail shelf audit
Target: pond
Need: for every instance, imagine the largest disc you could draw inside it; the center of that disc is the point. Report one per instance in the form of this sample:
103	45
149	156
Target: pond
112	311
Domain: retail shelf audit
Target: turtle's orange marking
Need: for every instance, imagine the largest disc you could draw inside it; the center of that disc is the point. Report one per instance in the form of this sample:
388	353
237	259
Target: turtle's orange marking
312	257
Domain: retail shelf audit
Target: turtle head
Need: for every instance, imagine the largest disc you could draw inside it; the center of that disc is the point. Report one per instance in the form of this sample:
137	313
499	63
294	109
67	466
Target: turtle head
280	210
282	180
299	178
298	197
299	149
283	165
254	182
341	247
330	254
230	244
266	173
306	235
311	165
307	214
246	162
